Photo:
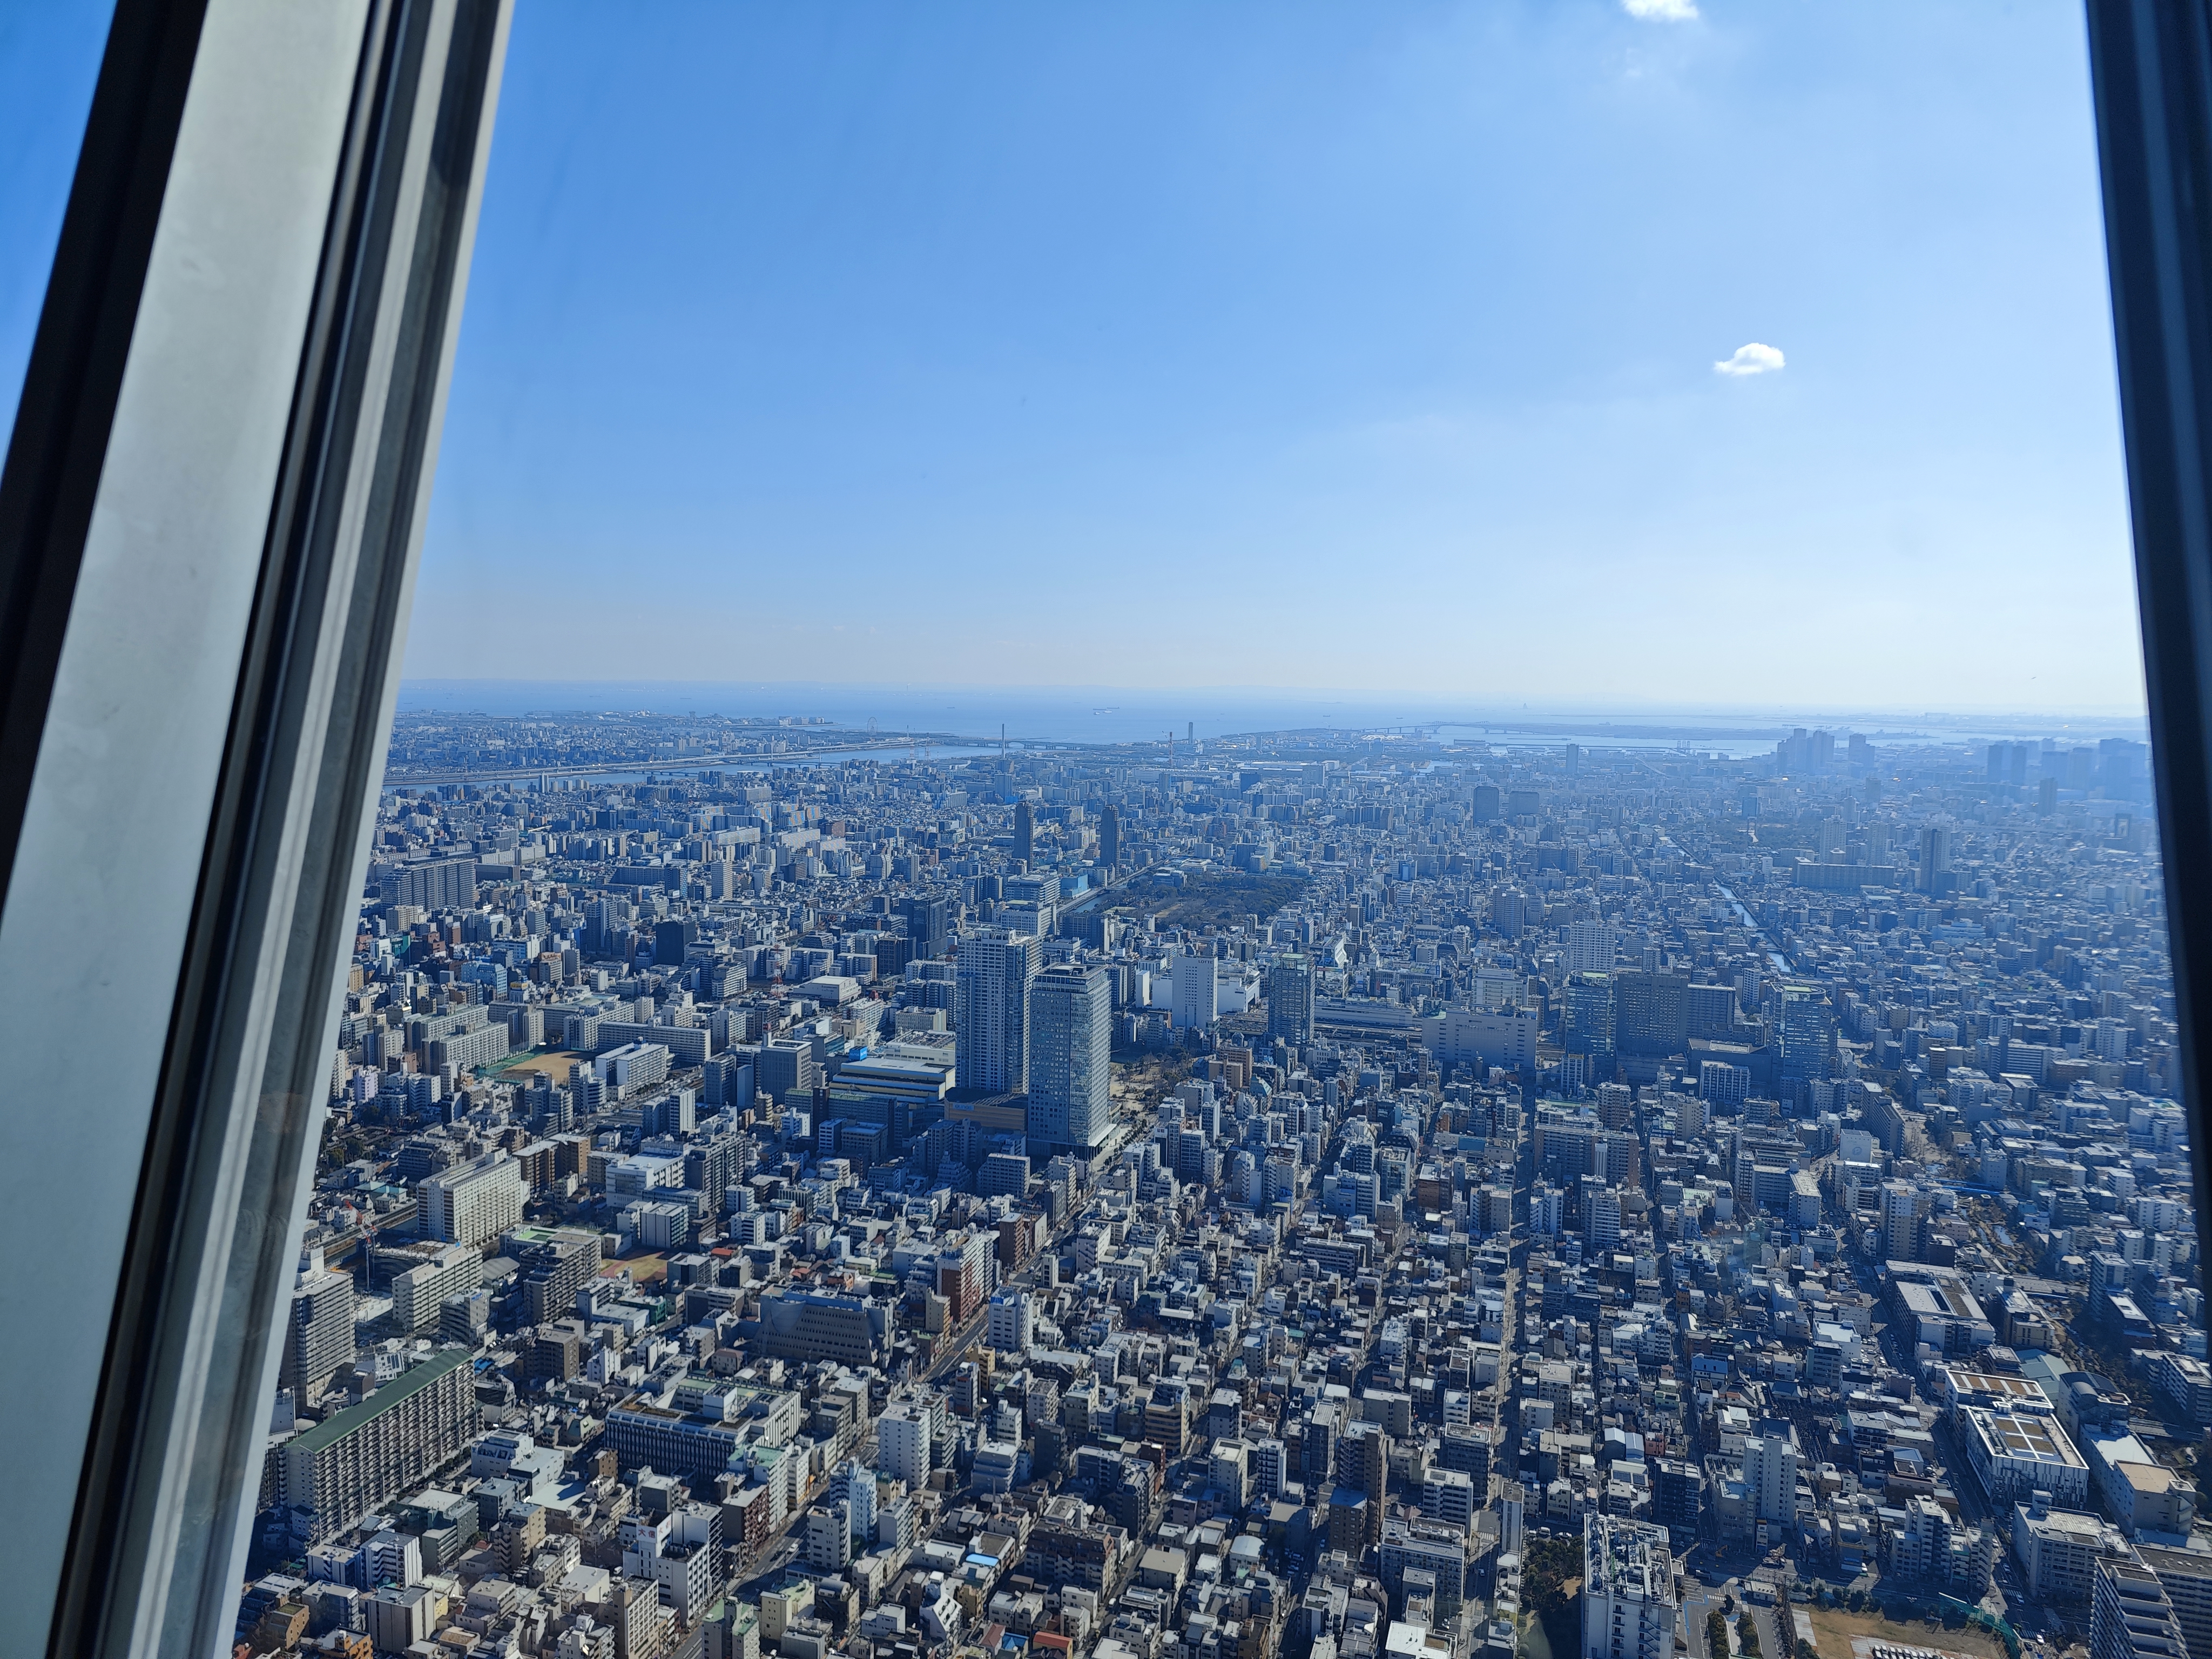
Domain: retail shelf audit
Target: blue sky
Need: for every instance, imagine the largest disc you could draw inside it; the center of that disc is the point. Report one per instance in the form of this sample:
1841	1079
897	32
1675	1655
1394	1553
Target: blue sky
48	57
1294	345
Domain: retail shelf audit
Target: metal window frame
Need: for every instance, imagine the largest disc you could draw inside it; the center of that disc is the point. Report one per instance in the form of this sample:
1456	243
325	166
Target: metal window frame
2150	67
211	514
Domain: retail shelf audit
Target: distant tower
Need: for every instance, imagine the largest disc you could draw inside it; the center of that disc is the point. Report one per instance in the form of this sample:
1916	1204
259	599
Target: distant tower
1024	831
1290	1000
1109	835
1935	857
928	922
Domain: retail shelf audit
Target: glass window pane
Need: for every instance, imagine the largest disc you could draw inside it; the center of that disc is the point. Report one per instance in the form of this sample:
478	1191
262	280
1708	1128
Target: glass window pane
49	59
1373	777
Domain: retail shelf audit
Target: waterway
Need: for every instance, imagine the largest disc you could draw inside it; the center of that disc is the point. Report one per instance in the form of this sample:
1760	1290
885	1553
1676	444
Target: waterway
1781	963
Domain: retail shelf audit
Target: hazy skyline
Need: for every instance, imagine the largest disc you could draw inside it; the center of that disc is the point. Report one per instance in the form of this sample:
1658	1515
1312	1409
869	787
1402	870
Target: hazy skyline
1583	352
1097	714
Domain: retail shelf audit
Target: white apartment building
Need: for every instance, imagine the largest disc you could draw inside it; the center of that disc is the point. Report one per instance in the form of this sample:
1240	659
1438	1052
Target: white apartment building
1447	1495
1194	991
1269	1467
1013	1321
902	1443
2058	1550
419	1292
1628	1590
475	1203
829	1537
1770	1475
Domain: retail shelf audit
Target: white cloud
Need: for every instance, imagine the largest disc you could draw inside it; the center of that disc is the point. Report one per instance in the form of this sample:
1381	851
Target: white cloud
1753	359
1661	11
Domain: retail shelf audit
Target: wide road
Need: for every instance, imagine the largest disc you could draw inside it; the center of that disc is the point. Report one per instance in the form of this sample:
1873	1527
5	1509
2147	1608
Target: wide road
1506	1449
1696	1603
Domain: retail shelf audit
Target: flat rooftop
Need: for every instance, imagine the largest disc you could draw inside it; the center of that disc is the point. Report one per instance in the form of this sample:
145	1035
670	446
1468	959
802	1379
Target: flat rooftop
1960	1383
2029	1439
1939	1302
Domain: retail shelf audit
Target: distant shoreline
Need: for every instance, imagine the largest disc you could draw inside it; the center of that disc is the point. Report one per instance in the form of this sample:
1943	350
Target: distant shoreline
1092	714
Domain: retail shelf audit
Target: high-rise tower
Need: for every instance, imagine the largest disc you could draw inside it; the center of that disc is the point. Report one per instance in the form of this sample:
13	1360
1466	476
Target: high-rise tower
318	1337
1290	1000
991	999
1071	1032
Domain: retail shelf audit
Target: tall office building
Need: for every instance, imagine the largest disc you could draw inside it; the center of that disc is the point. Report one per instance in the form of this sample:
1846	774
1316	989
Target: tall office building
1808	1035
991	1008
318	1335
1270	1466
829	1537
1935	857
1586	1020
1024	831
783	1070
370	1454
1071	1031
1196	992
1290	1000
1709	1009
1362	1465
1362	1460
1109	835
1650	1012
1628	1590
1317	1442
928	925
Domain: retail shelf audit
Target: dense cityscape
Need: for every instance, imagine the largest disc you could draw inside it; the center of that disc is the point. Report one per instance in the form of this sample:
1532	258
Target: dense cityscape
1320	1194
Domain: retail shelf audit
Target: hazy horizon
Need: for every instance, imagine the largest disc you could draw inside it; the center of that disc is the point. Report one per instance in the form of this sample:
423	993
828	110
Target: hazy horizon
1123	713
